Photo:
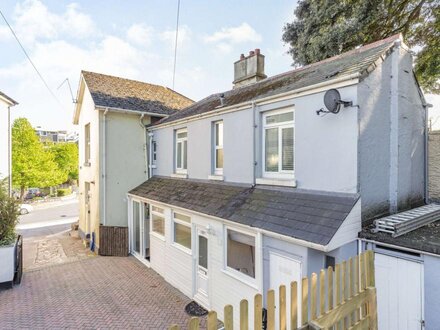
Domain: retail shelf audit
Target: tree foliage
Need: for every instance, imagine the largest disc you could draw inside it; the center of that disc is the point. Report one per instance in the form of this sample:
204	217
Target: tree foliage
66	156
8	216
325	28
33	165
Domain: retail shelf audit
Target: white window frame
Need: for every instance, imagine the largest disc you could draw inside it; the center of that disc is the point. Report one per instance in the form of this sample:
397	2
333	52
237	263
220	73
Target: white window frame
249	280
87	144
154	152
281	174
217	170
181	170
162	215
183	223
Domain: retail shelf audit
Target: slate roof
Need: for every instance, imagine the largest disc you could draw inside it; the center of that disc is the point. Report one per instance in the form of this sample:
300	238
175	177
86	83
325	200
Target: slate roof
116	92
355	61
10	100
426	238
306	215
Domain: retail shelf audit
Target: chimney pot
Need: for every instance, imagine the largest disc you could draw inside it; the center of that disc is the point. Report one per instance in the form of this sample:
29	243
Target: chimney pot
257	51
242	57
251	53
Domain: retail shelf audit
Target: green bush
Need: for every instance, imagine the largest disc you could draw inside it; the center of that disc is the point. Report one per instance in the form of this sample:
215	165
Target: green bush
64	192
9	211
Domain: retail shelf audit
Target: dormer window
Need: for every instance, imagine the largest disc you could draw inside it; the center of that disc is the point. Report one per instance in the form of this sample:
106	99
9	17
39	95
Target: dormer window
278	144
181	150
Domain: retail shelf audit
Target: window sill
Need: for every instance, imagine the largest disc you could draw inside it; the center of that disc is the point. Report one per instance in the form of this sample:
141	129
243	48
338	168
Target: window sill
216	177
276	182
158	236
181	248
179	175
239	277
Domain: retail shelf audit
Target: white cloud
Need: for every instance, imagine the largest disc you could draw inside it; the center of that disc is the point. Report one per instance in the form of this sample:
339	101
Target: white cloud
235	35
184	37
33	21
140	34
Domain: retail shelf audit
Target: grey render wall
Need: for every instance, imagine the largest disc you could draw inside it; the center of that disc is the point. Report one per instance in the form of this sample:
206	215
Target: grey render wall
412	126
374	94
432	292
125	164
325	146
434	165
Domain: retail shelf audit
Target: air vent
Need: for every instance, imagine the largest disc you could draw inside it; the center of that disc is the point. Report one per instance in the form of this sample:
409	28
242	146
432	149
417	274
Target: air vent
404	222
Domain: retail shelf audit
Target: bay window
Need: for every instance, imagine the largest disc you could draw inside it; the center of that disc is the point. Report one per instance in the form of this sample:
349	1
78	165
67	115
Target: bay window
278	143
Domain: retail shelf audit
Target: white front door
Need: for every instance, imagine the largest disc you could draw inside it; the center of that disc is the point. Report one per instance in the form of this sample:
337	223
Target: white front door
283	271
202	269
399	293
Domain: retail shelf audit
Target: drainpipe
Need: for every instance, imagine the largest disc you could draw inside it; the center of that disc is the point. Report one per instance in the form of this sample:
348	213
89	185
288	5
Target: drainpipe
254	152
150	156
141	124
104	169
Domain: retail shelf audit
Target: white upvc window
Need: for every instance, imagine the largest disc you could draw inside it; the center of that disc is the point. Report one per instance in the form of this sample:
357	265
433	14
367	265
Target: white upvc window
278	144
218	148
157	221
240	254
181	150
87	153
182	230
154	152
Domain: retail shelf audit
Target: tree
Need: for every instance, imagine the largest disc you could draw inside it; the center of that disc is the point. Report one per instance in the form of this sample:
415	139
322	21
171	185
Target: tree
66	157
325	28
32	164
8	216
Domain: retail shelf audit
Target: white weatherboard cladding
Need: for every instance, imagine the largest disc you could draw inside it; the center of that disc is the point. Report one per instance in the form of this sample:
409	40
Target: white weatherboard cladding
399	293
325	146
4	141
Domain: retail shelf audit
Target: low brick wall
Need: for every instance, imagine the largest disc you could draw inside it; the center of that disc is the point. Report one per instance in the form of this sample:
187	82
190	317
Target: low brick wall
113	241
434	165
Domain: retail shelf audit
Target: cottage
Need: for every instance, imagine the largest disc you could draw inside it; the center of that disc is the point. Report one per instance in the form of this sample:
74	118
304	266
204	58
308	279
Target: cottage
266	183
5	138
111	113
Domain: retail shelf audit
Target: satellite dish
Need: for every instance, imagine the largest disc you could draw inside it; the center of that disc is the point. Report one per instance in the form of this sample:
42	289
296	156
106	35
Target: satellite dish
332	100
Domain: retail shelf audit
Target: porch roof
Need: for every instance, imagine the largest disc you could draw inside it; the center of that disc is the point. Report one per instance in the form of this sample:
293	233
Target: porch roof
312	216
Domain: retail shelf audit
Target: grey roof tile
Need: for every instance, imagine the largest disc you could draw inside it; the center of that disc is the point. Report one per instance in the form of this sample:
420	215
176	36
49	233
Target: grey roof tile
278	210
127	94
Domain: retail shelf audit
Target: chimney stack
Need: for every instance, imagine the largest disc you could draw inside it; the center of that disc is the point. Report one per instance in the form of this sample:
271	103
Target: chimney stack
250	69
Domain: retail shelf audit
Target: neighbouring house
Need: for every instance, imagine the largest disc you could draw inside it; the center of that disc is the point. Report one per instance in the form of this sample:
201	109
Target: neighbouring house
261	185
5	138
52	136
111	113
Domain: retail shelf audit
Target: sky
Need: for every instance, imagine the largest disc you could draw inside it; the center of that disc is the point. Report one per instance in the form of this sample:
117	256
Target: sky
135	39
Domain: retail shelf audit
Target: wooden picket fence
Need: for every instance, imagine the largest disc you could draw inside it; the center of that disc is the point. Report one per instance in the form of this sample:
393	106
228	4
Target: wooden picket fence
347	300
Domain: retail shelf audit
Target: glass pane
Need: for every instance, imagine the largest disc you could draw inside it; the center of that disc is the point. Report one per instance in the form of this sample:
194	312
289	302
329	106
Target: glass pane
219	158
182	217
185	152
136	227
158	224
219	134
182	235
287	148
203	252
179	155
146	231
271	148
279	118
241	253
182	135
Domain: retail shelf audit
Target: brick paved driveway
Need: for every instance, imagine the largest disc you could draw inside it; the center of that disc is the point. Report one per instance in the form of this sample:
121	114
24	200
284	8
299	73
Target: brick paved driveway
98	292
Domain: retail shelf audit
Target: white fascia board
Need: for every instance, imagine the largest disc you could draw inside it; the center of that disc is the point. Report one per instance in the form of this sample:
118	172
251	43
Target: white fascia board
344	81
127	111
289	239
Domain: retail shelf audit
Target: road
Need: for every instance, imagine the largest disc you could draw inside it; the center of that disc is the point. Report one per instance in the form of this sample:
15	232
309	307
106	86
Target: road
50	214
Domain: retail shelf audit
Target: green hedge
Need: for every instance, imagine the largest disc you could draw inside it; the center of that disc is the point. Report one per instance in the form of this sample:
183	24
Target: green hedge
64	192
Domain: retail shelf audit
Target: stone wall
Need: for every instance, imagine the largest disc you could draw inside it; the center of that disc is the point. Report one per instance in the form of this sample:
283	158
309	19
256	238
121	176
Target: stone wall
434	165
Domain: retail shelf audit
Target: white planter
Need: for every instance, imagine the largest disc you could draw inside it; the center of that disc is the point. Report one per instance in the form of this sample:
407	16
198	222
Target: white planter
7	263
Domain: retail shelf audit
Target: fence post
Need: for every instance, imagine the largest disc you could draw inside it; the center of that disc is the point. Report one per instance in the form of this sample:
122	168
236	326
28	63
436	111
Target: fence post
322	292
293	305
282	307
244	315
305	303
330	287
271	310
258	310
313	295
229	317
194	323
212	321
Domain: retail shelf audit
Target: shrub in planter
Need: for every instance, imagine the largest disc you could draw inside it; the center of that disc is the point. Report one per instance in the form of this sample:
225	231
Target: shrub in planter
9	211
64	192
